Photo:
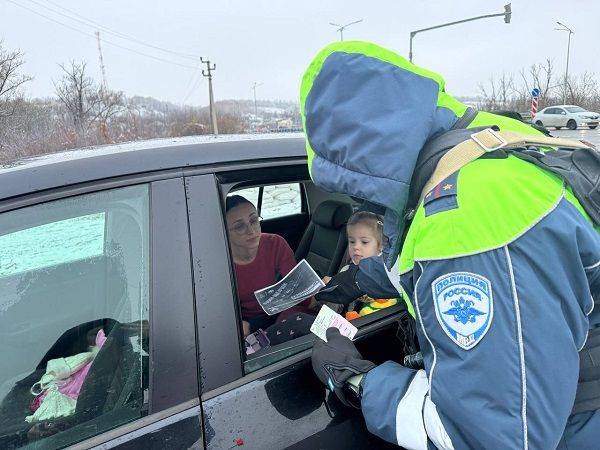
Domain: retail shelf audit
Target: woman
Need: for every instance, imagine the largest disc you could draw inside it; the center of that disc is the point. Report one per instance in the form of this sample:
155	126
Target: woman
260	259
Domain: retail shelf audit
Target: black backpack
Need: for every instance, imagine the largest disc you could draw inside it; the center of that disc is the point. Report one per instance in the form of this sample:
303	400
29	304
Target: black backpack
580	168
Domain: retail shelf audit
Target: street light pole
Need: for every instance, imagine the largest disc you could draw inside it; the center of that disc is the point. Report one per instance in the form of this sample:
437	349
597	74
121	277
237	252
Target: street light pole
506	14
342	27
566	85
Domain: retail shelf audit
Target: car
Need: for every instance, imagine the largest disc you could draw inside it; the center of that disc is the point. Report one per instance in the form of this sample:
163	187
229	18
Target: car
120	253
569	116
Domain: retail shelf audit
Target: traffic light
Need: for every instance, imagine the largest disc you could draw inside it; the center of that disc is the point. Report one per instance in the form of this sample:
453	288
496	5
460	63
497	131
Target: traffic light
507	13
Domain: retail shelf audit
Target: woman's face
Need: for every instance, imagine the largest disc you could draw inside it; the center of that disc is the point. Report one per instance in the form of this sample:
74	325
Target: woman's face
244	226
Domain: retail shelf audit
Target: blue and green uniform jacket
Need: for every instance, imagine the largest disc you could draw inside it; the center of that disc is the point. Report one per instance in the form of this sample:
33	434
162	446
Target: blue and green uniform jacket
500	263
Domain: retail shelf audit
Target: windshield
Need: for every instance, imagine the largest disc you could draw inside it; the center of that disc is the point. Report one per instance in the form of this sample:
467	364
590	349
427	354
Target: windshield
575	109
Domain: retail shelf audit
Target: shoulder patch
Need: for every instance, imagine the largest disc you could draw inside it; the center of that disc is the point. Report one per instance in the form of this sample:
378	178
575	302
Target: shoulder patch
442	197
464	307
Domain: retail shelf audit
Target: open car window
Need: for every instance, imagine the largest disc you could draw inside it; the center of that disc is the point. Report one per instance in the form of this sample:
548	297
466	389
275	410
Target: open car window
269	339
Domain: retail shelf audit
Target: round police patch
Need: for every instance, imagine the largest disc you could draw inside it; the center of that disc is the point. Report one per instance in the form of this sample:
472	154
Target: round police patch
464	307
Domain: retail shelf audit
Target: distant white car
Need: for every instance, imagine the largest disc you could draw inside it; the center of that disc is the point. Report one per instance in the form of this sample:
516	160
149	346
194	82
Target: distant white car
569	116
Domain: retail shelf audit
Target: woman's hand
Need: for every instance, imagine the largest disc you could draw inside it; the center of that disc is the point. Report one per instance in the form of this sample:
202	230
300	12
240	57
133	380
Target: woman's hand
326	279
246	328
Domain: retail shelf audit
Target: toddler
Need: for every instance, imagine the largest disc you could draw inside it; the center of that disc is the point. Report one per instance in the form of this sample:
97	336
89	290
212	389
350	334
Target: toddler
365	239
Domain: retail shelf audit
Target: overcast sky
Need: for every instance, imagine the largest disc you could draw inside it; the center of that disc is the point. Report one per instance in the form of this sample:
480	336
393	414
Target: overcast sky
271	42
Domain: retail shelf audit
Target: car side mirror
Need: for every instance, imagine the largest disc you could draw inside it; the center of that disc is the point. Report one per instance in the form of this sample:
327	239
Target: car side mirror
563	113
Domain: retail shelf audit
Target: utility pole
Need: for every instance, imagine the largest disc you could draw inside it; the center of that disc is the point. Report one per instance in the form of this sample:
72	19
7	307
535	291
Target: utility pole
104	83
254	86
566	28
506	14
213	113
342	27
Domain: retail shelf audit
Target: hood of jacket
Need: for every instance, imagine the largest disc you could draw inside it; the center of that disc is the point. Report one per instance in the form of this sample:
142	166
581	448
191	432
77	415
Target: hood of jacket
367	112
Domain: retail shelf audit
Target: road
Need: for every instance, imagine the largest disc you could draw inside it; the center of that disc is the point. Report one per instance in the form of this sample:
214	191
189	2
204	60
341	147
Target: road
592	136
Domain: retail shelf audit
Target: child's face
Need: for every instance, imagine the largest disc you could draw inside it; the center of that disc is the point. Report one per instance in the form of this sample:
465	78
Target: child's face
362	242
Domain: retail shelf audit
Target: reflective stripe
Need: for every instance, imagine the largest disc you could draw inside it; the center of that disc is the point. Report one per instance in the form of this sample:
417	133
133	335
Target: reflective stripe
416	297
593	266
521	349
434	426
417	418
410	429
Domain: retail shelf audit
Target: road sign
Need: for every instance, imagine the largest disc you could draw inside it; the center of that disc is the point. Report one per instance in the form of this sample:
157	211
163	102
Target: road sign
534	106
535	93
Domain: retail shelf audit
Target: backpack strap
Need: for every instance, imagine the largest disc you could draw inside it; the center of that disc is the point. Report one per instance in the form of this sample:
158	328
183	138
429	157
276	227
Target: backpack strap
486	141
465	120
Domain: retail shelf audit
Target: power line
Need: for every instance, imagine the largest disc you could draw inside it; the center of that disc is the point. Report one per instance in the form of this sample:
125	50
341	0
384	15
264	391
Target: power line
158	58
193	86
93	24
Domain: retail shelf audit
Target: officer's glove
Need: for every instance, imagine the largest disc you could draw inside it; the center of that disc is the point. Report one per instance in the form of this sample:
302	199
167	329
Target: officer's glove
335	361
342	288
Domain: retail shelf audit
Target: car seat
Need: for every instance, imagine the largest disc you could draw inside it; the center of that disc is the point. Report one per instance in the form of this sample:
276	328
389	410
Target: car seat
324	242
111	394
15	405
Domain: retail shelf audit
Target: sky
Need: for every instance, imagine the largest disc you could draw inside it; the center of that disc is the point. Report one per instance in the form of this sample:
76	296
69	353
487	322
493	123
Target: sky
272	42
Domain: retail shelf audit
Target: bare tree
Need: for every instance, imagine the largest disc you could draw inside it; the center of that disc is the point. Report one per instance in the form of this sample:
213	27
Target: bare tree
499	94
538	76
11	78
581	90
86	102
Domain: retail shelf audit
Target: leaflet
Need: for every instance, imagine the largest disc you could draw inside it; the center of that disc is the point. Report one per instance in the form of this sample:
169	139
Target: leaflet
328	318
299	284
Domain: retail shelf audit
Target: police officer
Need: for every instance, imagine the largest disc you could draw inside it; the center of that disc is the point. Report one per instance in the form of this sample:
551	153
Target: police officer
499	262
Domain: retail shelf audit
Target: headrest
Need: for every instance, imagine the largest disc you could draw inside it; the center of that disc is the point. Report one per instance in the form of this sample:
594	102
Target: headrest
332	214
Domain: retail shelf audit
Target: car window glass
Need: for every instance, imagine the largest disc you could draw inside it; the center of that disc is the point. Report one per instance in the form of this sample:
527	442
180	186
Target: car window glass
551	111
278	200
281	200
575	109
74	309
80	238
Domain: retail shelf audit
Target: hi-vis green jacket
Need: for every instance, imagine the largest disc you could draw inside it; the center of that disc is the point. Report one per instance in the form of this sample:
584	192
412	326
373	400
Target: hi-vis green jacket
500	262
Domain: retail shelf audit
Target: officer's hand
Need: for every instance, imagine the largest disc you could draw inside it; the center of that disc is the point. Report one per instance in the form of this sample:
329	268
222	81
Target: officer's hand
337	360
342	288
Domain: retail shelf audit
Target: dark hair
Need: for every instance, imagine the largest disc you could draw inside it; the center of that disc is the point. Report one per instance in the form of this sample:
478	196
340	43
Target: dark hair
369	219
236	200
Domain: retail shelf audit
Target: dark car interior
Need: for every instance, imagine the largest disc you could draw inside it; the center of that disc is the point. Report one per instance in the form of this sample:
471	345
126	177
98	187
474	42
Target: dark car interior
317	234
324	242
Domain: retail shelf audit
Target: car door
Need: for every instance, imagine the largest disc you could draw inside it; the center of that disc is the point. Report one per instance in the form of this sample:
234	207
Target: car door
562	117
272	400
104	266
549	117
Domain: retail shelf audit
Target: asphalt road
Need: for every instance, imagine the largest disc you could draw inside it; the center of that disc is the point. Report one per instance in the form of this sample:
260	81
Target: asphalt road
592	136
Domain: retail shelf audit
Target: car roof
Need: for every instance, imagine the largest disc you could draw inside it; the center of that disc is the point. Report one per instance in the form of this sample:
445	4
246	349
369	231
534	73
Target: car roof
564	106
34	174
